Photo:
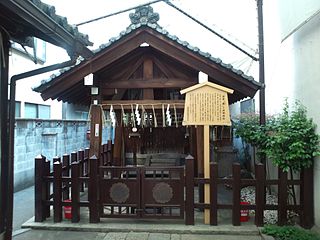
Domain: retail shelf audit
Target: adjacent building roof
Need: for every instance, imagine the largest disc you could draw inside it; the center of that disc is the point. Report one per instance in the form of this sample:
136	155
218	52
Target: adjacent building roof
144	28
22	19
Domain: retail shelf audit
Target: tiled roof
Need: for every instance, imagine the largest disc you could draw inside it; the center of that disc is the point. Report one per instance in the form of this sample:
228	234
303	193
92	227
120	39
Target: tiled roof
155	26
62	21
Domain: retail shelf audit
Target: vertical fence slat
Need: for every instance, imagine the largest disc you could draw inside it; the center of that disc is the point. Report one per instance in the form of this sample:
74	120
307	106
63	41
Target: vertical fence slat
109	153
74	157
75	193
260	193
86	164
306	198
66	173
39	189
282	197
81	160
93	190
47	187
189	208
236	187
214	193
57	191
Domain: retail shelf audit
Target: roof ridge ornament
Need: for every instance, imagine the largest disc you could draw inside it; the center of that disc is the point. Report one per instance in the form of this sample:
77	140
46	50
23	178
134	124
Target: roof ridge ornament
144	15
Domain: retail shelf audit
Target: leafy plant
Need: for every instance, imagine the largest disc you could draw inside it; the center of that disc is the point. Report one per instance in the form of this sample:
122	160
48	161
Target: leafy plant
247	126
288	139
294	142
289	233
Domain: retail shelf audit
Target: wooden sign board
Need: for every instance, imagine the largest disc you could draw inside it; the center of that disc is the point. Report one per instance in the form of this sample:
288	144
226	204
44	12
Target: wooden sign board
206	104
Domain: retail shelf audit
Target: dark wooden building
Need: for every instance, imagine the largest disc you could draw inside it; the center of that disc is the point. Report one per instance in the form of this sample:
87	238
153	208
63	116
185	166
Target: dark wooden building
142	71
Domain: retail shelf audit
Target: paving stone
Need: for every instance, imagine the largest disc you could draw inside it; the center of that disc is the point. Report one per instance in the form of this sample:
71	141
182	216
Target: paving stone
159	236
175	237
218	237
137	236
116	236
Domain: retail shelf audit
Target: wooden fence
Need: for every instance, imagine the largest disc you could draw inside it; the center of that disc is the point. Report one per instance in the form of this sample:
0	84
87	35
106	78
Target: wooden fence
59	184
304	207
71	175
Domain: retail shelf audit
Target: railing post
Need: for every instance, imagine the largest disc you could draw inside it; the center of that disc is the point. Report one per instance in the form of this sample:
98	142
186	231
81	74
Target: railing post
47	187
93	190
86	165
282	197
57	191
236	187
109	153
306	198
66	173
105	154
81	160
189	180
214	193
75	193
39	189
260	193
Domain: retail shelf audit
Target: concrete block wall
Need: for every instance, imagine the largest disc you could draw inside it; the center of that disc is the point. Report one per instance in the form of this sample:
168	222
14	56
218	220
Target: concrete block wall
47	137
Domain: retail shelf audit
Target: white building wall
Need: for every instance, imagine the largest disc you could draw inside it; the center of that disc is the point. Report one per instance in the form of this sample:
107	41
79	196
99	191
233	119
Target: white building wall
293	72
19	63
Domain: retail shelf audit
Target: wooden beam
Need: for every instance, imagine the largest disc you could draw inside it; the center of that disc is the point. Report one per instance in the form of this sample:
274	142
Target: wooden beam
114	52
148	75
152	83
157	104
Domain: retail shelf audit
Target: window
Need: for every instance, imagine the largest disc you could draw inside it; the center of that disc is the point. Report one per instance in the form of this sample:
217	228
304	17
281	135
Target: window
36	50
247	106
36	111
18	110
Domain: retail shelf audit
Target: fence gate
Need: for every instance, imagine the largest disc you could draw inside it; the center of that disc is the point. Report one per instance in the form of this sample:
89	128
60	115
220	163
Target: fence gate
142	192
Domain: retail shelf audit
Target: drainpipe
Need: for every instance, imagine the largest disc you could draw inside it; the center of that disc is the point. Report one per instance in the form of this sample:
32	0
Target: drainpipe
11	130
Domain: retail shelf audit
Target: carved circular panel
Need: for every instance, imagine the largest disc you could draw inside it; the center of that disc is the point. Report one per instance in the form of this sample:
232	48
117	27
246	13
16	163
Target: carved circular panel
119	192
162	192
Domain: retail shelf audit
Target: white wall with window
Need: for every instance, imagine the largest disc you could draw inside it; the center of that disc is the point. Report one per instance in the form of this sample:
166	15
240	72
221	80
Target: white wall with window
29	104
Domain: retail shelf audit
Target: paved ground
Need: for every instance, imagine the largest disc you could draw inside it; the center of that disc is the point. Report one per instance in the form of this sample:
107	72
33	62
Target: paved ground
68	235
118	229
23	207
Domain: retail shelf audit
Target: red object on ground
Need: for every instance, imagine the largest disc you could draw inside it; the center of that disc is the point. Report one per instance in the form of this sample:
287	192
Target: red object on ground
67	210
244	213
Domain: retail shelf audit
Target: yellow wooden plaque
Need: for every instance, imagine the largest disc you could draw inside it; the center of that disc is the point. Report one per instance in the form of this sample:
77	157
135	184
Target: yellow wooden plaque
206	104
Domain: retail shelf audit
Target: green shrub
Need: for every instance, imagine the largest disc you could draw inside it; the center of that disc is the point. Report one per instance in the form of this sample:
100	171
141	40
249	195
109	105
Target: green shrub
289	233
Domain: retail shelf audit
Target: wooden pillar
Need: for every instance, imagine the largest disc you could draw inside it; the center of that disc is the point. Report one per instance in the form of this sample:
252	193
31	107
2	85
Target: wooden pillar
189	190
75	193
57	191
206	168
66	173
306	198
6	168
93	191
95	130
39	197
282	197
260	193
236	187
199	146
117	146
214	193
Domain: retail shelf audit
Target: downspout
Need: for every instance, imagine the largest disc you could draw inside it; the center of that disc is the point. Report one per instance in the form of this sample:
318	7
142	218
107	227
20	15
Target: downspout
12	107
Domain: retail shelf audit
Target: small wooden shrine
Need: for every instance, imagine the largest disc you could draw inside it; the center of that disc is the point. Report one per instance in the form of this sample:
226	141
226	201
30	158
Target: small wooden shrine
137	78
